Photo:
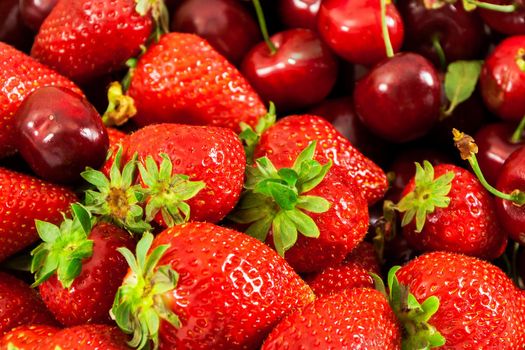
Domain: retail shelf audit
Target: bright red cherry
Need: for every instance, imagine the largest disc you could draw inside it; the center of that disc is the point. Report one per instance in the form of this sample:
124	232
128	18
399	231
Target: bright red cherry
352	28
226	24
12	29
300	73
512	23
400	98
34	12
59	134
299	13
502	79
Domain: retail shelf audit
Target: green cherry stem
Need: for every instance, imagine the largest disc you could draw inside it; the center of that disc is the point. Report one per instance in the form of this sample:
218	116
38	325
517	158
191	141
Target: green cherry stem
517	135
493	7
384	27
436	44
262	24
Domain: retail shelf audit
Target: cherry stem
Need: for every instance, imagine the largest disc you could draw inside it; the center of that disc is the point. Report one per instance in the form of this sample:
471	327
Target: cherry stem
384	27
517	135
436	44
493	7
262	25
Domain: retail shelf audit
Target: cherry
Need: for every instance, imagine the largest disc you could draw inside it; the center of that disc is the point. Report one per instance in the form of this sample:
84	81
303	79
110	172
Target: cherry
502	79
512	23
353	29
12	29
299	13
226	24
400	98
34	12
298	72
59	134
446	34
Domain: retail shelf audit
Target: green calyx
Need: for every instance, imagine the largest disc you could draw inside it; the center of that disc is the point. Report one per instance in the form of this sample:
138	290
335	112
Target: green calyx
250	137
429	193
275	199
117	199
167	193
139	306
63	248
413	316
158	11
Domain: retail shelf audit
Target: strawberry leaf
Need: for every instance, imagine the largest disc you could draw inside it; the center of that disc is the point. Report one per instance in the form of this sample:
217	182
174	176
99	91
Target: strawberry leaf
460	81
251	137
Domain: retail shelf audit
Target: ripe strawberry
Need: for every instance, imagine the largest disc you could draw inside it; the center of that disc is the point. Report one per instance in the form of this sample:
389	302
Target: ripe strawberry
352	319
116	137
85	39
283	141
479	306
27	337
20	75
20	305
23	199
308	198
182	79
78	268
205	287
452	211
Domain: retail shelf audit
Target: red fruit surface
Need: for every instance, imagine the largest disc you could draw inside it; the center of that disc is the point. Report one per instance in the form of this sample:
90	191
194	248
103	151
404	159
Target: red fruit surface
182	79
20	75
354	319
87	337
87	39
508	23
28	337
479	307
24	199
299	13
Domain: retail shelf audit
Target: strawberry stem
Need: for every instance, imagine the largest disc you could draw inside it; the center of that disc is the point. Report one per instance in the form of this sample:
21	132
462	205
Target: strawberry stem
492	7
262	25
517	135
384	27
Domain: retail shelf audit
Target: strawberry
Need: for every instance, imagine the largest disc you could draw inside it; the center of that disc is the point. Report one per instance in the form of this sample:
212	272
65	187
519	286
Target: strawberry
78	269
20	75
307	198
283	141
85	39
479	306
352	319
20	305
23	199
182	79
203	286
452	212
28	337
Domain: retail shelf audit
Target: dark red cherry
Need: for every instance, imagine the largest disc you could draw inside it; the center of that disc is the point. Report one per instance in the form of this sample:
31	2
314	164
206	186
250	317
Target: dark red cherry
352	28
459	33
300	73
226	24
34	12
507	23
12	29
502	79
59	134
299	13
400	98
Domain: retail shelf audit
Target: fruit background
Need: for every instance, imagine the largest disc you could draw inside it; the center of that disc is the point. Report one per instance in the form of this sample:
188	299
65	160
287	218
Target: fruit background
285	174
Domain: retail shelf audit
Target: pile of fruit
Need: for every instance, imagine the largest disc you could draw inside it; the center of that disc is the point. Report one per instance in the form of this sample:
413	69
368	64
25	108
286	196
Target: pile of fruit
291	174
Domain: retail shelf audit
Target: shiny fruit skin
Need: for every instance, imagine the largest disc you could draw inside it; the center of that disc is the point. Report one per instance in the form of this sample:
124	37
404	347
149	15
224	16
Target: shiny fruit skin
302	72
34	12
87	337
12	29
400	98
299	13
352	28
27	337
506	23
59	134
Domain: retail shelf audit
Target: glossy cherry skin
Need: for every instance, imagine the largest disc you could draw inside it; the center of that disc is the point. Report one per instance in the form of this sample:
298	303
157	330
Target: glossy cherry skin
301	73
400	98
226	24
512	177
299	13
59	134
507	23
12	29
502	80
352	28
34	12
460	33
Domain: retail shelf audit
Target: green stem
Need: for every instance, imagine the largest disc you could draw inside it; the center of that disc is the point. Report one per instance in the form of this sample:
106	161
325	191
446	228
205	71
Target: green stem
384	27
493	7
436	44
262	24
516	136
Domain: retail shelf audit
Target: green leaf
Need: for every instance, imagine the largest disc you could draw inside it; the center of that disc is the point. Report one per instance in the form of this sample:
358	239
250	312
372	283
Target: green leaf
313	204
284	233
47	231
81	214
303	223
288	175
285	196
379	285
260	228
305	155
68	270
460	82
96	178
311	182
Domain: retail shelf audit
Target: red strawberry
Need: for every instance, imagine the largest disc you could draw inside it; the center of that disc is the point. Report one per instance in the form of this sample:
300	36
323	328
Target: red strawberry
209	287
28	337
78	268
23	199
182	79
20	305
20	75
116	137
85	39
283	141
452	212
479	306
353	319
